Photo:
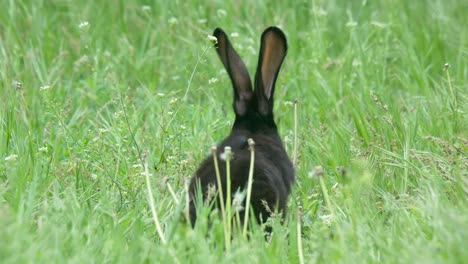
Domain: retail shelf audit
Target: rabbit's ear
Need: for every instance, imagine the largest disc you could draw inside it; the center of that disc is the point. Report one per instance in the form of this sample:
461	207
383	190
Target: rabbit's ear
272	52
237	72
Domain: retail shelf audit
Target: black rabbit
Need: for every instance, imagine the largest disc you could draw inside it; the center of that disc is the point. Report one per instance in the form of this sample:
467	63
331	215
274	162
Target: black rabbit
273	170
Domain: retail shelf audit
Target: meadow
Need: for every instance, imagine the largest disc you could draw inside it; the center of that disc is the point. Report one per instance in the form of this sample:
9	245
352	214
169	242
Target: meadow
93	91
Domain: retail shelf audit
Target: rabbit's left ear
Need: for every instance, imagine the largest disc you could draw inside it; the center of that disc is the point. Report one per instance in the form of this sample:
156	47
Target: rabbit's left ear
273	49
237	72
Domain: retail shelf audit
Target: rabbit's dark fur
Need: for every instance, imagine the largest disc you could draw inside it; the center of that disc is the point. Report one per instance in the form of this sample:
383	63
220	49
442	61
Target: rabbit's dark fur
273	170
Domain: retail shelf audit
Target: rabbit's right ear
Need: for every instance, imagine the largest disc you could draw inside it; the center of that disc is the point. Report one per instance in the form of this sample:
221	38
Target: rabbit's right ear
237	72
273	49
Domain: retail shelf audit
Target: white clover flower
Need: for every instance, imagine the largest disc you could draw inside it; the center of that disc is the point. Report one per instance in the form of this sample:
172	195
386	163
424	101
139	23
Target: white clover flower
144	174
183	162
118	114
202	20
84	26
212	80
234	34
321	12
11	157
170	113
137	166
183	127
379	24
227	154
210	193
44	87
356	62
327	219
173	101
221	12
222	156
18	85
317	172
212	39
237	201
351	24
43	149
173	21
146	8
288	103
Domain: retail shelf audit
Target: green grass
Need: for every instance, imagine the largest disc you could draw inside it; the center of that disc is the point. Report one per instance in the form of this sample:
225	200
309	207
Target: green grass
377	112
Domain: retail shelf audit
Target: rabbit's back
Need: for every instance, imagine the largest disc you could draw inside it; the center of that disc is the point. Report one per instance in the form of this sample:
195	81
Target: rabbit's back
272	178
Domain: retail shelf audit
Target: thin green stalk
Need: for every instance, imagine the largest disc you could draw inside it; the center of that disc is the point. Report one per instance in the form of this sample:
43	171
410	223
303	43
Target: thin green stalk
189	84
326	196
249	185
295	133
319	173
452	94
299	237
237	221
187	200
171	191
218	179
132	135
220	193
153	208
449	81
228	156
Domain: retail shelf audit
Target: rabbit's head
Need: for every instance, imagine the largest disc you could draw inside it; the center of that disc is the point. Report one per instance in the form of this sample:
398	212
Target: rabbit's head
254	108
